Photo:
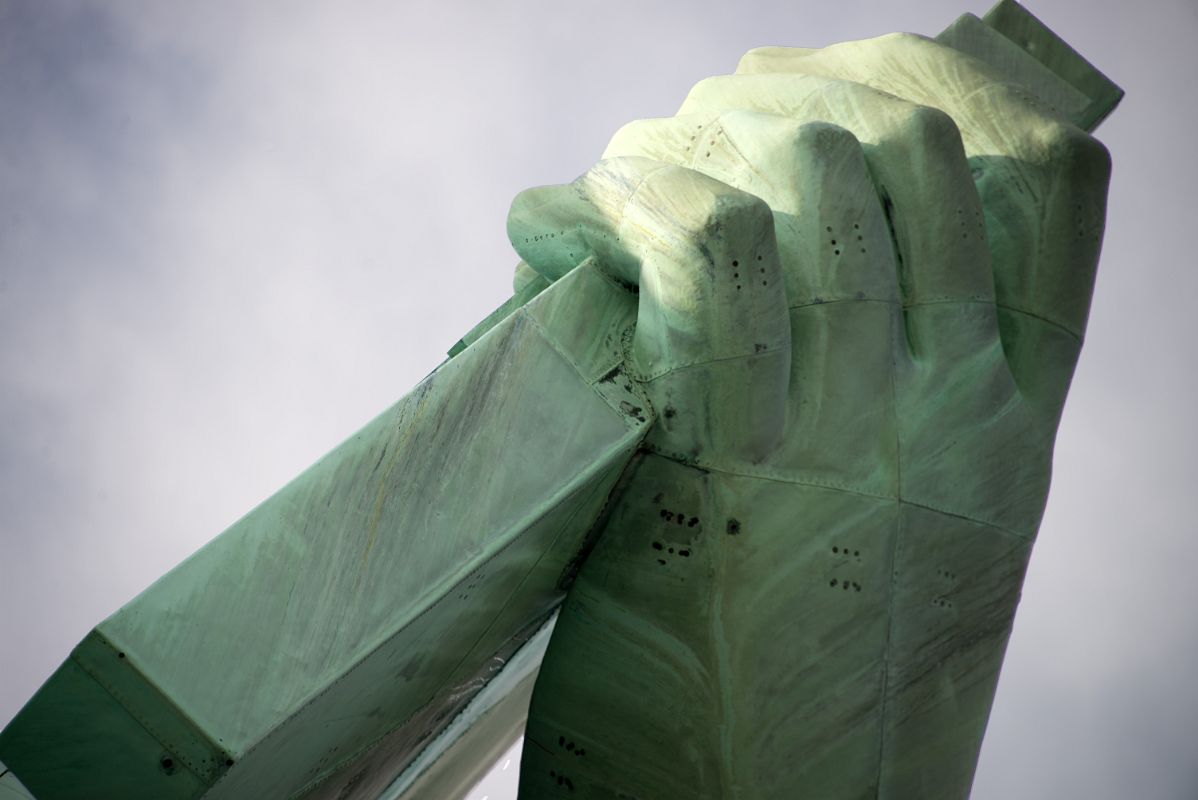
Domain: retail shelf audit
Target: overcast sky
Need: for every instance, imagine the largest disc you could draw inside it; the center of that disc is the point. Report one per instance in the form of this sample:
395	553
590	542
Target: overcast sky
230	234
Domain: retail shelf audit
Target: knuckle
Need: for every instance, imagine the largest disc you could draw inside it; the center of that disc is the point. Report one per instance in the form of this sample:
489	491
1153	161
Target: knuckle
752	58
624	141
750	206
930	127
1071	147
710	203
705	87
730	208
901	39
825	137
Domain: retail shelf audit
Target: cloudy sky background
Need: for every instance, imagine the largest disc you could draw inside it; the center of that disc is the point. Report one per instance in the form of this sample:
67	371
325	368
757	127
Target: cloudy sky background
232	233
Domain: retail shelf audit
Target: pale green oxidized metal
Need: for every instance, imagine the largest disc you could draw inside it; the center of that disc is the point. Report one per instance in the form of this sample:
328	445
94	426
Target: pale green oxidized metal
10	787
807	342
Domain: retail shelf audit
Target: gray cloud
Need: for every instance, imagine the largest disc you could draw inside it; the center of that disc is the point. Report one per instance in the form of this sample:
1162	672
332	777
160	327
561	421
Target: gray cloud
231	233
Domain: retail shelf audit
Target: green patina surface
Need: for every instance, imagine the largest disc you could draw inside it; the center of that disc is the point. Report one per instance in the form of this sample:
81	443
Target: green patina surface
827	618
325	638
774	400
10	787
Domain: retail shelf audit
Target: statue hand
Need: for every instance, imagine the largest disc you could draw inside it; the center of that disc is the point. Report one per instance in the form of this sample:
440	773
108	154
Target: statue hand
859	311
